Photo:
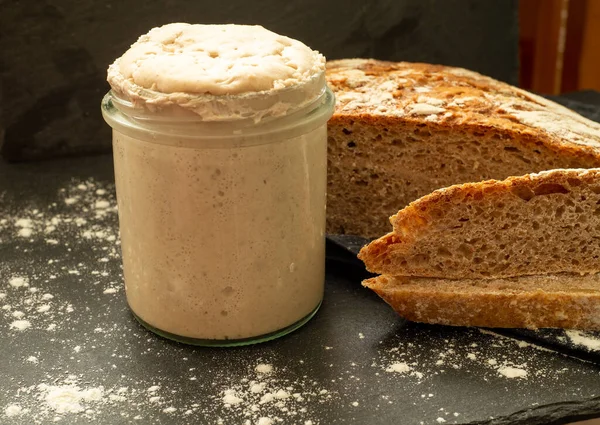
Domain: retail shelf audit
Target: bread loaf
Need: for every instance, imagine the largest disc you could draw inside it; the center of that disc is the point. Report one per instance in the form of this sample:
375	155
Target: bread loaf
547	301
530	225
523	252
402	130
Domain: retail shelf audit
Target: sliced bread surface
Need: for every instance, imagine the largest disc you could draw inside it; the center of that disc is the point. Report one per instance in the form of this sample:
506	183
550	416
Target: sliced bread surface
534	224
402	130
548	301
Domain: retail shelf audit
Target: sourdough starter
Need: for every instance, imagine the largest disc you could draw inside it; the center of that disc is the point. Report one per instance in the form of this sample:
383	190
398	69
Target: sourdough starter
221	240
222	243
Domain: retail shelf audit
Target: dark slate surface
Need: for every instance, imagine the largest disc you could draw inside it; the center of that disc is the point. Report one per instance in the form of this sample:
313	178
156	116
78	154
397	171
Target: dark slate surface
591	97
586	103
54	53
344	350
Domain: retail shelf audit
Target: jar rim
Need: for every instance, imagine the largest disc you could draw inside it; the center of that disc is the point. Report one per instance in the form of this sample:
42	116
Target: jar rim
146	103
186	128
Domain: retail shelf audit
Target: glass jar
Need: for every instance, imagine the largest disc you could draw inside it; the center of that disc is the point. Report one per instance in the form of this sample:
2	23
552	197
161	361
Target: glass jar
222	223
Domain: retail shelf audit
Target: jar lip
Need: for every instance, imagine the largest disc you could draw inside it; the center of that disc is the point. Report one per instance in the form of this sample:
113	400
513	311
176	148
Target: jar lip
188	127
143	103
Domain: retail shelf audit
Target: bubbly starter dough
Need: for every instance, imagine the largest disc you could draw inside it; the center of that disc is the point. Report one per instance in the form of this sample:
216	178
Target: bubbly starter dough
195	67
222	243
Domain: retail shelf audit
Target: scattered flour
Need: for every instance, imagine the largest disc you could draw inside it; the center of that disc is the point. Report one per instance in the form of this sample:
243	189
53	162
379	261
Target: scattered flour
230	398
24	222
17	282
398	368
264	368
282	394
69	398
43	308
587	341
25	232
13	410
496	357
53	402
263	396
20	325
258	387
25	226
76	210
102	204
512	372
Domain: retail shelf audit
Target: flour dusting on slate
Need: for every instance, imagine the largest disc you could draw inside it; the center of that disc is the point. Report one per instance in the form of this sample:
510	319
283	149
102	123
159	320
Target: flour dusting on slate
263	394
584	339
63	308
83	218
501	357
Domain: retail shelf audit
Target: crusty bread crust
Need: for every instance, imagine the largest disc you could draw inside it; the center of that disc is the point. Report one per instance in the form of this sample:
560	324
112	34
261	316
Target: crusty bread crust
534	224
502	303
402	130
385	93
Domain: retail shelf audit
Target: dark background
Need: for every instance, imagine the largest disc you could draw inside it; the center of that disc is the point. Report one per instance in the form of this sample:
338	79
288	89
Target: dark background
54	53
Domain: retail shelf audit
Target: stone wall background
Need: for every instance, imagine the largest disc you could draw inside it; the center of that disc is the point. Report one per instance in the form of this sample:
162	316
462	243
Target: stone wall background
54	53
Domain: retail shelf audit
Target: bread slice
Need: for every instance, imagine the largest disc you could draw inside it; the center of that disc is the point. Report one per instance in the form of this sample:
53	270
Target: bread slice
535	224
402	130
547	301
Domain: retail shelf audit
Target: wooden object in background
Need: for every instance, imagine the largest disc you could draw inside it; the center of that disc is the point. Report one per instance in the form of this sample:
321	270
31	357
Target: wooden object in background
559	45
573	45
589	65
542	26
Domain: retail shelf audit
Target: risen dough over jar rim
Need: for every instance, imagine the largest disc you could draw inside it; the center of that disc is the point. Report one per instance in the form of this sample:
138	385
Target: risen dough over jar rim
207	68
